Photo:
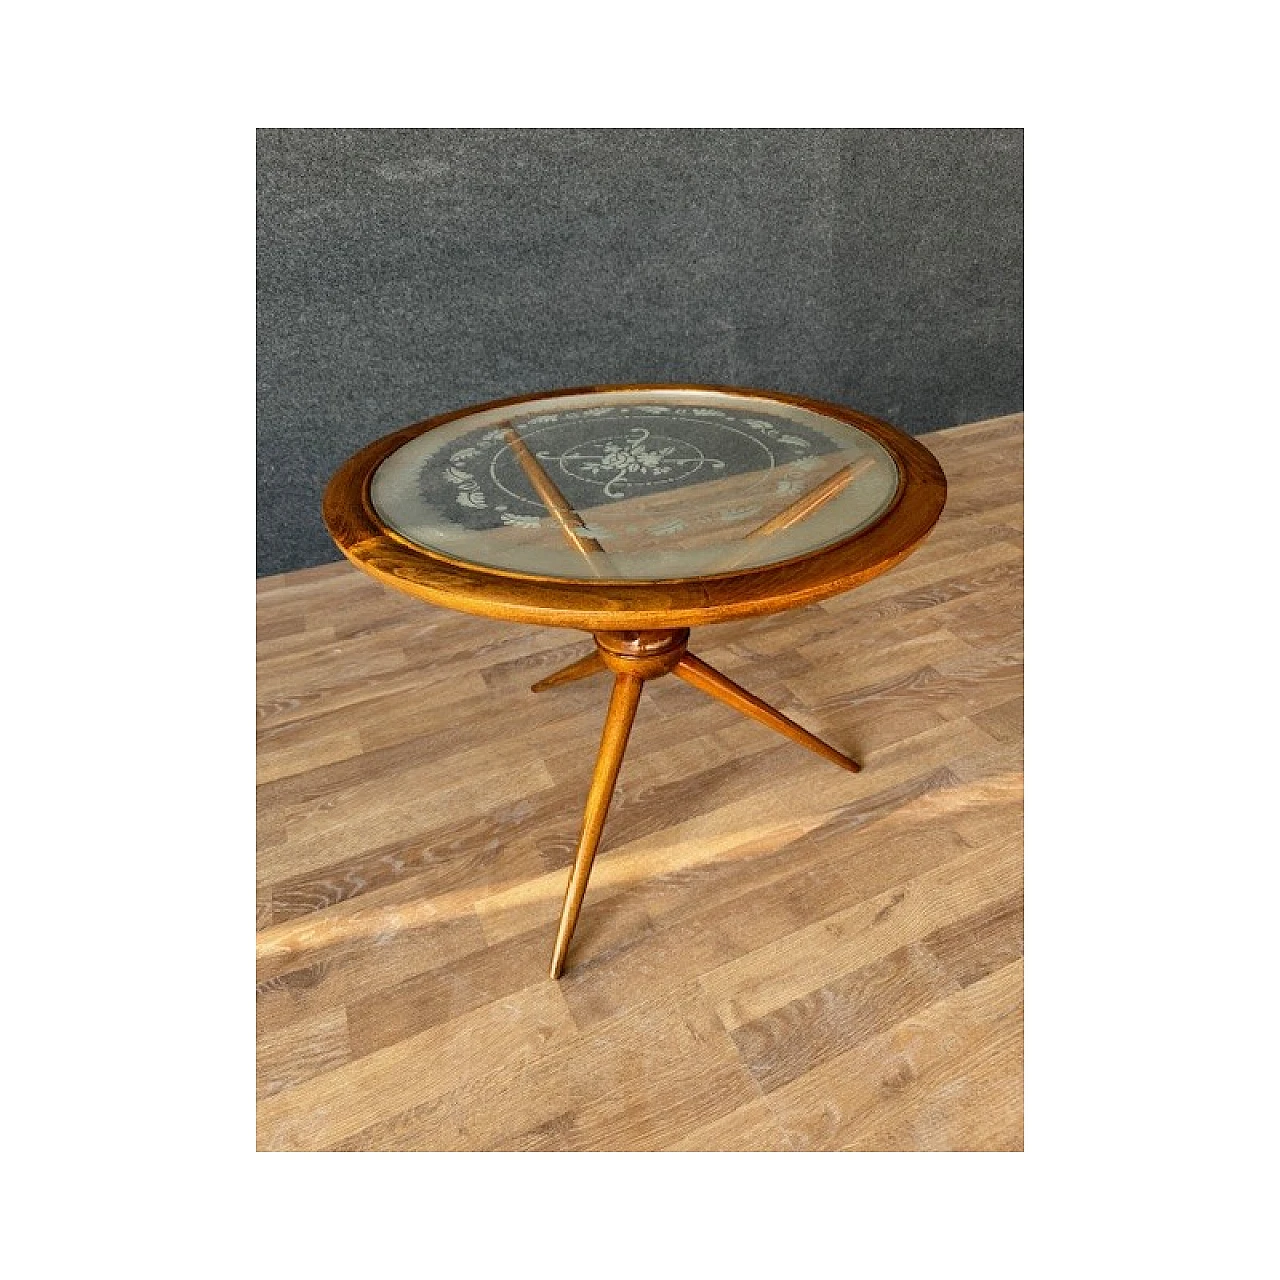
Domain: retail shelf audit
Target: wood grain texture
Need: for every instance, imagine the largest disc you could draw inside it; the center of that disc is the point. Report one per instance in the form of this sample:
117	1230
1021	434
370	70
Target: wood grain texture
596	606
778	955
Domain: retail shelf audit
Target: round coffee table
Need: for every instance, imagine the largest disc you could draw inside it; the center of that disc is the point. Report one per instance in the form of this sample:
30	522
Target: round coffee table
635	513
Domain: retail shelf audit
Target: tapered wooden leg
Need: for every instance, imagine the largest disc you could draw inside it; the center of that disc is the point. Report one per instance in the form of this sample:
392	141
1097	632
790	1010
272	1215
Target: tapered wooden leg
578	670
709	680
617	728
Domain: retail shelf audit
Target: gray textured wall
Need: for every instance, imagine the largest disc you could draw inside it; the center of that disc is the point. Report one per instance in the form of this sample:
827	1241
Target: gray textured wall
403	273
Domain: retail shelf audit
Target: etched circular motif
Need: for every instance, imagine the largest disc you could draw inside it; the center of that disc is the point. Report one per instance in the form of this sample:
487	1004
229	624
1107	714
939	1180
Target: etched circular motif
667	487
639	459
607	468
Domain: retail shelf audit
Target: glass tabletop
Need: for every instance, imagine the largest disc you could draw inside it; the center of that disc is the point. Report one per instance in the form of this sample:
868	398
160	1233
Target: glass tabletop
635	485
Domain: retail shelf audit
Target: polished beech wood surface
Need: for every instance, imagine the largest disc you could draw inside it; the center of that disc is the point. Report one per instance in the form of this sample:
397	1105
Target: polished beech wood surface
702	675
635	657
805	505
569	521
589	664
633	654
775	954
613	744
616	605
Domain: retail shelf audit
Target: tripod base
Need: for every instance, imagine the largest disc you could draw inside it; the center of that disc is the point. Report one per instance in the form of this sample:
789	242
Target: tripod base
634	657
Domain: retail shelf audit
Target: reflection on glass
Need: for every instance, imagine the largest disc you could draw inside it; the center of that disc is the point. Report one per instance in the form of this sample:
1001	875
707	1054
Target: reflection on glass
640	485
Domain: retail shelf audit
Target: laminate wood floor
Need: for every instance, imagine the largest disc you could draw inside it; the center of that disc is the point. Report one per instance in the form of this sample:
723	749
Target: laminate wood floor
773	955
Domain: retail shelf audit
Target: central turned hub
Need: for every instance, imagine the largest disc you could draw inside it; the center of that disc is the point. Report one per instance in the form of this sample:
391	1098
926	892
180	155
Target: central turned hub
646	654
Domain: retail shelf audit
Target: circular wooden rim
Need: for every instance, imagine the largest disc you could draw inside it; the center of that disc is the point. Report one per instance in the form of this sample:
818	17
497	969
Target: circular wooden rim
604	605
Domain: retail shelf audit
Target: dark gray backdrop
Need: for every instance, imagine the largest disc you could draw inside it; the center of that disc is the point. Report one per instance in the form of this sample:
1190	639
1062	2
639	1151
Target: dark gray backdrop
406	272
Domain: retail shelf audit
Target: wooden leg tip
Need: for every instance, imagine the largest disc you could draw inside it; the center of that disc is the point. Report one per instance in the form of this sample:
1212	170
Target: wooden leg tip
559	954
587	666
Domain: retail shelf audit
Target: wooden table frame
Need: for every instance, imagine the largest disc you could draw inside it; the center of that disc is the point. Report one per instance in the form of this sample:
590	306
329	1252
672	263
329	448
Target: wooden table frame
640	627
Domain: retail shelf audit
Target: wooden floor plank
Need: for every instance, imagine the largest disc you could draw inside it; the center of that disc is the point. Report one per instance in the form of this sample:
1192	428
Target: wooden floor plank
302	1049
633	1083
857	1004
773	954
807	959
752	1127
945	1079
328	1108
314	981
